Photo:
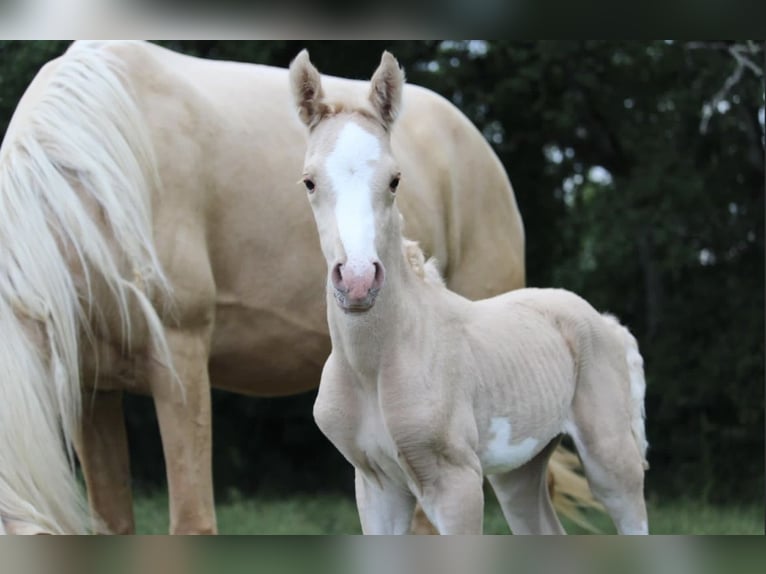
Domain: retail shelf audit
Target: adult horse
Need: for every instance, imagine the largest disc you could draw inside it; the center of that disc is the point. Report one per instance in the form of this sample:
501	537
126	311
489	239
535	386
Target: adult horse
152	241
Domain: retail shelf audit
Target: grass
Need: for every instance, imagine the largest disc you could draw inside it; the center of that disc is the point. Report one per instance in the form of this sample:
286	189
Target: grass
336	514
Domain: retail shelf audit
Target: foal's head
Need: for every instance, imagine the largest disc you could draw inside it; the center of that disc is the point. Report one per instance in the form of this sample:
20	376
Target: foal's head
351	178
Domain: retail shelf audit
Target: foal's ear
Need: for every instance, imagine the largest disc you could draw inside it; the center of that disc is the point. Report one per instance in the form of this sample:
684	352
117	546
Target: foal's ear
306	87
386	89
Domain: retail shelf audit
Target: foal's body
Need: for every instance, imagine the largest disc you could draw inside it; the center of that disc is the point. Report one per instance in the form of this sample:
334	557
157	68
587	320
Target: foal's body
426	392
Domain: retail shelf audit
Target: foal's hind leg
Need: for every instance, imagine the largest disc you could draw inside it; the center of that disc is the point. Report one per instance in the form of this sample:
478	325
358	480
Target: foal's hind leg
185	426
615	472
103	452
524	496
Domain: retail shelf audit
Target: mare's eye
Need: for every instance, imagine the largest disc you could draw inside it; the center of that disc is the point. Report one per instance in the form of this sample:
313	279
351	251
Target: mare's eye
394	183
309	185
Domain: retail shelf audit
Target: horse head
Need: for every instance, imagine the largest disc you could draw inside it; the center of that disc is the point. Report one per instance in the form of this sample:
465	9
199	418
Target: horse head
351	178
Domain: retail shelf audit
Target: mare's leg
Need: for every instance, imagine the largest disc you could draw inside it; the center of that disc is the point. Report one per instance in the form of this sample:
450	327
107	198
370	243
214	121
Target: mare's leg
185	426
103	453
524	496
383	508
454	501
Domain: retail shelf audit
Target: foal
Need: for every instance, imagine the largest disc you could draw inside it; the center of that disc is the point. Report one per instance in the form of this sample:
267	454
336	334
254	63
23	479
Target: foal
426	392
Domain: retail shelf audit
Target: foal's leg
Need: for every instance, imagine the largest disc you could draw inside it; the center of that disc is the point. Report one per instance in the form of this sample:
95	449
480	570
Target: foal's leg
103	453
185	426
524	496
420	523
383	508
615	472
454	502
600	424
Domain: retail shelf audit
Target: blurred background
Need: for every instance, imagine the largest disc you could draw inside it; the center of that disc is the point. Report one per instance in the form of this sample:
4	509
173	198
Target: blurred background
639	172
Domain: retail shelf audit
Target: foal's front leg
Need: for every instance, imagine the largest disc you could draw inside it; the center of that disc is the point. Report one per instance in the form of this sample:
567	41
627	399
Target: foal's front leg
455	500
384	508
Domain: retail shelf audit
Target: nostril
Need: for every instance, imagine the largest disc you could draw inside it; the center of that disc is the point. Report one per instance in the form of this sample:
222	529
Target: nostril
337	277
380	274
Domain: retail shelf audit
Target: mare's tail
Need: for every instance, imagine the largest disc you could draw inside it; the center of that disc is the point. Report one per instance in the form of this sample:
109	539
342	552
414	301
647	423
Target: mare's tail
76	173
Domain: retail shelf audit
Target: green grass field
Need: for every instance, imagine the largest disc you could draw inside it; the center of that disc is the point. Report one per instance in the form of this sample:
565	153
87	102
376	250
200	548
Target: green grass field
335	514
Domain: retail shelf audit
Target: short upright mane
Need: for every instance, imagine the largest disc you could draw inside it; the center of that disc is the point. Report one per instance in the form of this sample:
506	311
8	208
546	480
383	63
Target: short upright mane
427	270
336	108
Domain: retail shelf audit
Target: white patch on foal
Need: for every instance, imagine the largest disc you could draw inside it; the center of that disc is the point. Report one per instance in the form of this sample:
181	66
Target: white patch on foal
501	455
350	168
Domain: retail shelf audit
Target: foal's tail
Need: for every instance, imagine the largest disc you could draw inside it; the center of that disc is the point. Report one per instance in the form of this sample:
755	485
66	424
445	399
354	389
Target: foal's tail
76	171
637	383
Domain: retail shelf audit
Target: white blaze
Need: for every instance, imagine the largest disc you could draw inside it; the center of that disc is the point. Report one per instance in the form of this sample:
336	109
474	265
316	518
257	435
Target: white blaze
501	455
350	168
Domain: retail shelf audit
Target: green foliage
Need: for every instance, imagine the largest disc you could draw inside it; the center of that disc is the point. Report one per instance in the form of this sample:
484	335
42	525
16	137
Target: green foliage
19	62
671	241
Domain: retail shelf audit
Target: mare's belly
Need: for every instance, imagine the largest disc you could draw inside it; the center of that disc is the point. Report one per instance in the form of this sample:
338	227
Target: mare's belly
264	352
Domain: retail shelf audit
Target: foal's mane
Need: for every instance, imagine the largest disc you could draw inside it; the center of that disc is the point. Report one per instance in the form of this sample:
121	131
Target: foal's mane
427	270
338	107
349	108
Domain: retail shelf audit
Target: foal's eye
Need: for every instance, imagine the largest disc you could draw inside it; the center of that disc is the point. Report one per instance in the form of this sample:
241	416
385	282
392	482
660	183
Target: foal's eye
394	183
309	185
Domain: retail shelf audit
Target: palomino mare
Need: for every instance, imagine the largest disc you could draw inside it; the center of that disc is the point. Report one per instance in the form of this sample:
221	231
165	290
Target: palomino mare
151	242
426	392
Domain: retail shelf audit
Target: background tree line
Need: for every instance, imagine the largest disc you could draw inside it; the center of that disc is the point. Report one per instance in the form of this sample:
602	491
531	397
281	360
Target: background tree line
639	172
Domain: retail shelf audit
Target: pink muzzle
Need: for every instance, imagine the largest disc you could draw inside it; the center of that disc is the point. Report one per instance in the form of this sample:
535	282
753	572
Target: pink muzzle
357	285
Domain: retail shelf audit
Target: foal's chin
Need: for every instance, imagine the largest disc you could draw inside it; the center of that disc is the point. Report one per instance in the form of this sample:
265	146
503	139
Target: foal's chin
354	307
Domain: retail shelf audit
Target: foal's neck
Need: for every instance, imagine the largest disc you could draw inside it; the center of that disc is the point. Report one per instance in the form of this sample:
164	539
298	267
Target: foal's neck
370	340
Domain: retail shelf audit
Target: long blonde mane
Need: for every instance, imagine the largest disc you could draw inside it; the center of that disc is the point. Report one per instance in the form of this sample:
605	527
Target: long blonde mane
80	162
